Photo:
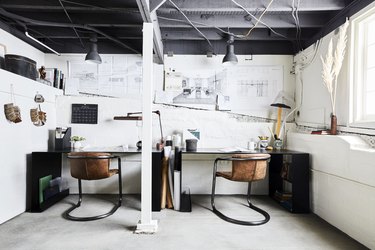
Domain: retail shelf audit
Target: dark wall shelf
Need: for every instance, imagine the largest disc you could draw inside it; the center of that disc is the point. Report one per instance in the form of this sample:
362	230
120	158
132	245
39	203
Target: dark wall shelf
289	176
43	164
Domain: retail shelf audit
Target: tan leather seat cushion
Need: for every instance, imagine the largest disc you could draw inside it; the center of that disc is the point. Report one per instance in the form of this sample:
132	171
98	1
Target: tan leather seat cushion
247	170
90	169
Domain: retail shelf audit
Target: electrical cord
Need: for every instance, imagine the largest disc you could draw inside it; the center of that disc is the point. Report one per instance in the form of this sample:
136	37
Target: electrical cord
187	19
272	30
260	17
202	24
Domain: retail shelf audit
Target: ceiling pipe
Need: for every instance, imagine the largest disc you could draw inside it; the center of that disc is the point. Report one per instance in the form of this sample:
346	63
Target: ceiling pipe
65	25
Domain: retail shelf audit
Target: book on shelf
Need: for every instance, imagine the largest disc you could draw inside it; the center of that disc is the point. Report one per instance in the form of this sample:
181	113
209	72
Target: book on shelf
320	132
283	196
55	77
43	184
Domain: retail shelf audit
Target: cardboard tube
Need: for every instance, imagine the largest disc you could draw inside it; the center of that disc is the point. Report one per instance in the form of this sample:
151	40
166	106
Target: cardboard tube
278	124
164	181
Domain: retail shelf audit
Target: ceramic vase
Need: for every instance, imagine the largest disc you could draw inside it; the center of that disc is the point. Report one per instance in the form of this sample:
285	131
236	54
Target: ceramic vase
333	125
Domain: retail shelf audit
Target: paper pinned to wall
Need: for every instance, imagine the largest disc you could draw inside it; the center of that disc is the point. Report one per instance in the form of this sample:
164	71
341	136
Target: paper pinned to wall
193	133
242	89
116	76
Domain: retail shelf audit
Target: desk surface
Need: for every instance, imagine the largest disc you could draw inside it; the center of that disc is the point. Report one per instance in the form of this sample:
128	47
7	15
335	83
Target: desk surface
220	151
115	149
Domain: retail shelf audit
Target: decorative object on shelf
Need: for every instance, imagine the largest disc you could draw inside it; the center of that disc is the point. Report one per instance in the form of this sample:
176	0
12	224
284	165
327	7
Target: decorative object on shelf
191	145
331	69
42	73
263	143
333	130
21	65
37	116
76	140
278	144
12	111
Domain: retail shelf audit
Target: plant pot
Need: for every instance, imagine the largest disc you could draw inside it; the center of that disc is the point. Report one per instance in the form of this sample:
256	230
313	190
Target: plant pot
77	145
333	125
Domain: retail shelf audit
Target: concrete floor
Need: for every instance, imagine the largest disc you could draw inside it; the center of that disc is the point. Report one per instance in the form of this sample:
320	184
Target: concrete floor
200	229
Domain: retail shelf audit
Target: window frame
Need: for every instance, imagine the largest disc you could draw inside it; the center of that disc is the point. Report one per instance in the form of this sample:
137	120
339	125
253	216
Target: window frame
359	70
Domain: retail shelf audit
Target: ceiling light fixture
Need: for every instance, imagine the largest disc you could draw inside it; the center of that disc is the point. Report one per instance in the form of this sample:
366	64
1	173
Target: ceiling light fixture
230	58
93	55
36	40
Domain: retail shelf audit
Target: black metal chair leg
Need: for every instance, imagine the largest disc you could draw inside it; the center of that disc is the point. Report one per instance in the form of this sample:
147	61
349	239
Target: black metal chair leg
119	181
251	206
67	215
213	186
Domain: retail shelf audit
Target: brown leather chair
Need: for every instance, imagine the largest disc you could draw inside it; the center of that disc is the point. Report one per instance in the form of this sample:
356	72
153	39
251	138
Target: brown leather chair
92	166
245	168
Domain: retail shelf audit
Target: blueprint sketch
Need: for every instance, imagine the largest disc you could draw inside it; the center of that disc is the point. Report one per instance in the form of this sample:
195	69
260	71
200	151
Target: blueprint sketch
116	76
239	88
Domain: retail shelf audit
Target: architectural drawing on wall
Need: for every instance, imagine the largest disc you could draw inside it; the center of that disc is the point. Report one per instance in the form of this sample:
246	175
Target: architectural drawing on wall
240	89
117	76
195	87
254	87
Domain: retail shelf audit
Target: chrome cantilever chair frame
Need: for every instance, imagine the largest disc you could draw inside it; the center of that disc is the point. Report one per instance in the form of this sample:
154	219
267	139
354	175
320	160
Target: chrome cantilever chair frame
67	215
257	209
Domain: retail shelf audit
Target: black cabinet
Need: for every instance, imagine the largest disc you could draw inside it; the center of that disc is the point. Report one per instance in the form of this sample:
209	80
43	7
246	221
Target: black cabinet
289	181
43	164
50	163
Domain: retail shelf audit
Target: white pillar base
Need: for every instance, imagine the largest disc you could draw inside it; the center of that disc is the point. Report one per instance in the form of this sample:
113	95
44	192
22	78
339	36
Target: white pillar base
147	228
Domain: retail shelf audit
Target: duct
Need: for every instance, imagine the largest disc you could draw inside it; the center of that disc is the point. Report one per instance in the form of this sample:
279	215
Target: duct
65	25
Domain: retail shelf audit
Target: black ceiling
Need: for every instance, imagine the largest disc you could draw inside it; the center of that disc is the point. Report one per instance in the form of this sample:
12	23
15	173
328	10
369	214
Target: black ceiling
66	25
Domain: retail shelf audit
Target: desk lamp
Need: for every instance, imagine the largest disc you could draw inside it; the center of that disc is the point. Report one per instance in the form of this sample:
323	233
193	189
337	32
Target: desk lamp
281	102
137	116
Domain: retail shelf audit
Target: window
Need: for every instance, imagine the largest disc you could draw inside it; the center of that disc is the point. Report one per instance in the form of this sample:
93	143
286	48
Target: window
363	54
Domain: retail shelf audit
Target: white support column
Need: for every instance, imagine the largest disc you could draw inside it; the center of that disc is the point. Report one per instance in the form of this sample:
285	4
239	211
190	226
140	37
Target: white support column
147	225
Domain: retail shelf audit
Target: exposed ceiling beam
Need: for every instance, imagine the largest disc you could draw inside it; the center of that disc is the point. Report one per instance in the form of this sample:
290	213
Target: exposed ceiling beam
213	34
54	8
240	47
339	19
199	6
274	21
148	17
67	25
87	37
79	18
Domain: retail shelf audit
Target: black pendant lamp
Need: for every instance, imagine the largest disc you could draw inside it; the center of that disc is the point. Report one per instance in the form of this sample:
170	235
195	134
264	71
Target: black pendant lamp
93	55
230	58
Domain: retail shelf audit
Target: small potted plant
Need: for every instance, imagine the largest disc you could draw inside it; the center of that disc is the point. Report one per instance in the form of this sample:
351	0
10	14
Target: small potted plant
76	140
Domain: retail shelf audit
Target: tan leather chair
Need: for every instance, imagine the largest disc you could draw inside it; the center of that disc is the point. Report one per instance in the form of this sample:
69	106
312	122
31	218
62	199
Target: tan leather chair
92	166
245	168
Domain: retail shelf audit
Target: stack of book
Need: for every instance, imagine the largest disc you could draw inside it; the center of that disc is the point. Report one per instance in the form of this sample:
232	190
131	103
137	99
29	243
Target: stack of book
55	77
282	196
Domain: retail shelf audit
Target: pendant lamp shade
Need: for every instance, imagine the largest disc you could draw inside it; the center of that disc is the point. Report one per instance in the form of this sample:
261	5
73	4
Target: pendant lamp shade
230	58
93	55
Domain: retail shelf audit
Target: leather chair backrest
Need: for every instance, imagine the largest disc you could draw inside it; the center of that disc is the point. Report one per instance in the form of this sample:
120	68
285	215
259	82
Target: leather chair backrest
249	170
90	168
